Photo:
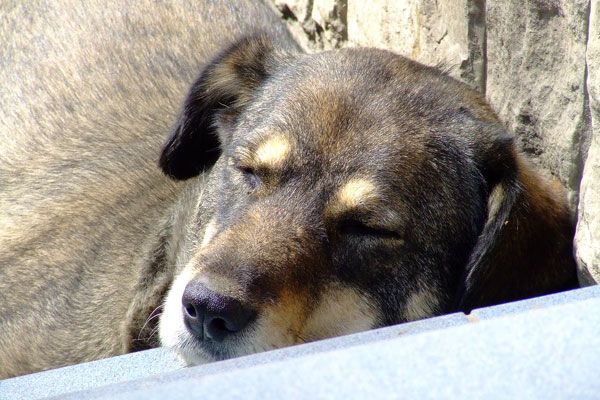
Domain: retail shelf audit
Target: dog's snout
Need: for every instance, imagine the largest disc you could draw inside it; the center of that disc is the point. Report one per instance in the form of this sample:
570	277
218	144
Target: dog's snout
213	316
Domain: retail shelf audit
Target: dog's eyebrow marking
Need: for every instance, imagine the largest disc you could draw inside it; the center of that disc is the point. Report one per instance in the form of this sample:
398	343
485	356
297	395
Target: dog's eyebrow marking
357	192
273	151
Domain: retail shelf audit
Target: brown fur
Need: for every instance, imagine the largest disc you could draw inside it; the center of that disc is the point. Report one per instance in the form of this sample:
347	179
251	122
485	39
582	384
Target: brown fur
524	263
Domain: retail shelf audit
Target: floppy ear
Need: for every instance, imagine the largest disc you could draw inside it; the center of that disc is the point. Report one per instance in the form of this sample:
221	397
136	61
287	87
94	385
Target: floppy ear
226	83
525	248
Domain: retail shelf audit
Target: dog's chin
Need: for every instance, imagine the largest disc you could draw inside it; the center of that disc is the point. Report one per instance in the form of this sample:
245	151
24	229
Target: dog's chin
192	351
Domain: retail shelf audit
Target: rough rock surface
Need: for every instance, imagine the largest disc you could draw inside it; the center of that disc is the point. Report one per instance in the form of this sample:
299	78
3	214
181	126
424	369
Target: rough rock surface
587	239
431	31
537	61
536	80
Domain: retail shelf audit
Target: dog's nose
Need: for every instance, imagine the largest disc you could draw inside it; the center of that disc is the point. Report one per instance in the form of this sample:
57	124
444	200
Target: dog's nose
211	315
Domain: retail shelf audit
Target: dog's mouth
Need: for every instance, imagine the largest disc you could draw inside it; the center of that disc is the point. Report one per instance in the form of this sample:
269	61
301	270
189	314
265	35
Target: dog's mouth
209	349
217	334
194	347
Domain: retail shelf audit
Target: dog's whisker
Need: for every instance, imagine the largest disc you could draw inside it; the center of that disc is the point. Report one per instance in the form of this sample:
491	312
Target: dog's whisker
156	313
152	333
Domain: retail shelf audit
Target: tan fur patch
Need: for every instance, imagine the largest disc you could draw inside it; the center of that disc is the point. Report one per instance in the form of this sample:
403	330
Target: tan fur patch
221	284
274	151
358	192
421	304
341	311
209	233
279	325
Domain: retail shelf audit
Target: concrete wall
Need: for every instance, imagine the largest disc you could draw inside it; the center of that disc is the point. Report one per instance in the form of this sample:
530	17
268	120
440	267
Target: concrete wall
537	62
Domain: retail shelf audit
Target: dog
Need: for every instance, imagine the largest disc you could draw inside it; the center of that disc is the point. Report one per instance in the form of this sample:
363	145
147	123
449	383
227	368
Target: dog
297	197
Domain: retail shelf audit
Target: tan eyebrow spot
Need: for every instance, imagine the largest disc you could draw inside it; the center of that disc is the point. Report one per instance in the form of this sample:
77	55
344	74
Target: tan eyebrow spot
273	151
355	193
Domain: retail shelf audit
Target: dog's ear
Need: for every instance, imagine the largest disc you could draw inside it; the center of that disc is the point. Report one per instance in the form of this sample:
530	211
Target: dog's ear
525	247
227	83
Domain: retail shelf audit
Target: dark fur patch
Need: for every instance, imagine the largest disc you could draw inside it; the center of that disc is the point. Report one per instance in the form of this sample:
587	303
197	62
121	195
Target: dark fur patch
140	327
226	83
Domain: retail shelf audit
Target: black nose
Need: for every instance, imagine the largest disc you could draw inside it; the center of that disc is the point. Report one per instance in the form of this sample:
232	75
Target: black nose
211	315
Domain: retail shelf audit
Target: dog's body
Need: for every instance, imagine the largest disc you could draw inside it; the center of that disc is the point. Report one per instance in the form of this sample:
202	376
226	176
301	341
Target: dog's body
346	190
89	93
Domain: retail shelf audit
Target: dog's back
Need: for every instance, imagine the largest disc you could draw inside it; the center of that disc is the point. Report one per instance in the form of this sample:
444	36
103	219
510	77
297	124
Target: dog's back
89	91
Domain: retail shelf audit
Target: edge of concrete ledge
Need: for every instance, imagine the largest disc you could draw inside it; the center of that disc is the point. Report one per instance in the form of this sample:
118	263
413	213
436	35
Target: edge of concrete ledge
535	303
136	371
544	353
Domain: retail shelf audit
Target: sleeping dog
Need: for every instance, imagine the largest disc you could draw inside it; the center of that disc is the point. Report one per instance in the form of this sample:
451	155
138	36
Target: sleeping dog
297	197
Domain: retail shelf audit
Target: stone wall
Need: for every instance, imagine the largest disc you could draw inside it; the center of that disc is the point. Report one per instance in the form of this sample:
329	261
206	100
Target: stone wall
537	62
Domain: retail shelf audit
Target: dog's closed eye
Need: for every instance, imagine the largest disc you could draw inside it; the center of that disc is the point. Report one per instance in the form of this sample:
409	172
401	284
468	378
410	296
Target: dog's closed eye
250	176
358	228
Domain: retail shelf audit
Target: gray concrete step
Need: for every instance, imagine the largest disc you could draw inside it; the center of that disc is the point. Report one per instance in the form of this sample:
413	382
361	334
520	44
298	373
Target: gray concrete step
545	347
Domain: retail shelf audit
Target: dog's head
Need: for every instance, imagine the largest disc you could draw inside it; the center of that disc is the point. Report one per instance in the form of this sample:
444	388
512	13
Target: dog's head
346	190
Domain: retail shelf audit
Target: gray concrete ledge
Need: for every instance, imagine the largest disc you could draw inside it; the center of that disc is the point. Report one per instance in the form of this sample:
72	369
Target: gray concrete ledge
538	302
548	347
89	375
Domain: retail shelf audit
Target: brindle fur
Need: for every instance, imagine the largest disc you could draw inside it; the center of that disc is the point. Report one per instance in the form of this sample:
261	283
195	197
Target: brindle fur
92	233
